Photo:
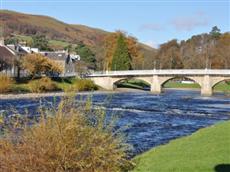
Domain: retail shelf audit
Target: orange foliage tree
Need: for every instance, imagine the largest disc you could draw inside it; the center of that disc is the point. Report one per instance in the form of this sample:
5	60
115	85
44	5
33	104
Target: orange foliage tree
37	65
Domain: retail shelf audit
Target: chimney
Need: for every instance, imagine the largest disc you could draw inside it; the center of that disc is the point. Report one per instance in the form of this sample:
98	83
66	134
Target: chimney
2	42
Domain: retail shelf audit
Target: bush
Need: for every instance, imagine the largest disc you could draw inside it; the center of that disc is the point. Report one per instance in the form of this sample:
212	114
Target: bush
6	83
42	85
85	85
37	65
65	140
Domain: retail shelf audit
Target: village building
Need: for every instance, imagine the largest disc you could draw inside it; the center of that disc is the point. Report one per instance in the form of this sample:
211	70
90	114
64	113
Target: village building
65	60
10	54
8	59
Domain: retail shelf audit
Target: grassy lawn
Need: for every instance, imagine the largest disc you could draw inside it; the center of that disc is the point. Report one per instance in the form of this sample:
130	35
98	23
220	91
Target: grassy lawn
219	87
62	84
180	85
203	151
133	83
52	43
60	44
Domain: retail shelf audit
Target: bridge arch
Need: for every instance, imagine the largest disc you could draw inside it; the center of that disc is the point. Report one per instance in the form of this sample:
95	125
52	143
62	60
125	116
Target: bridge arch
219	80
195	80
116	81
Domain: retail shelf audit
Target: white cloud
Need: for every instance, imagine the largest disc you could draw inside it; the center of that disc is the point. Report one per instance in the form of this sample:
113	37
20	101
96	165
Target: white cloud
188	23
151	44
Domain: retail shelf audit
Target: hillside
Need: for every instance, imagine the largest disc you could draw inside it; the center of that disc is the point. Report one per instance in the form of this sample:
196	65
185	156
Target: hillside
59	32
25	24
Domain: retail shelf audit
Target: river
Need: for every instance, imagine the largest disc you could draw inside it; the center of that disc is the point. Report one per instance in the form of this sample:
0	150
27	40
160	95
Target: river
152	120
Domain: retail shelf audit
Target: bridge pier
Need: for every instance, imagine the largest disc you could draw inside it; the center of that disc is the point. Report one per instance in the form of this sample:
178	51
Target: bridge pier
104	82
206	86
156	85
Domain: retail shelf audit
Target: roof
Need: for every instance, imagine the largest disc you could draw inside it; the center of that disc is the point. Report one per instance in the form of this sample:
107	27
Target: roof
55	55
7	55
17	49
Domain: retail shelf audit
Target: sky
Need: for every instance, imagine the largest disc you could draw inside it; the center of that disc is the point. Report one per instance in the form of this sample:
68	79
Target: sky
152	22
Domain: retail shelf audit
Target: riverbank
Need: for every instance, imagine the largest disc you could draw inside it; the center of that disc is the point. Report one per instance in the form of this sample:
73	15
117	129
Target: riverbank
206	150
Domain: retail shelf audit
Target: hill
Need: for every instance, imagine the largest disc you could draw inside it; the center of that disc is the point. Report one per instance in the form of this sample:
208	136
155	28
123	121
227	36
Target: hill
60	33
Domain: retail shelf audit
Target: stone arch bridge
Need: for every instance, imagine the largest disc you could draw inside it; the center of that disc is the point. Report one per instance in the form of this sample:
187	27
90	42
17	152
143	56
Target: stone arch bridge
206	78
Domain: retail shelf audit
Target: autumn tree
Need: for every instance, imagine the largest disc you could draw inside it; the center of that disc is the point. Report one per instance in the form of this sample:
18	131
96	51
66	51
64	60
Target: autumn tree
132	45
121	58
169	55
221	56
37	65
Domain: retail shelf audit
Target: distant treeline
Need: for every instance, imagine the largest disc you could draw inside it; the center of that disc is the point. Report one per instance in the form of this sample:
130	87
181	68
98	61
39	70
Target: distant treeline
211	50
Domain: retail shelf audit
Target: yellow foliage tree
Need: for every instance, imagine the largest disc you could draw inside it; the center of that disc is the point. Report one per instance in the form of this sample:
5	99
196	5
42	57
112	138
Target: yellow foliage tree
37	65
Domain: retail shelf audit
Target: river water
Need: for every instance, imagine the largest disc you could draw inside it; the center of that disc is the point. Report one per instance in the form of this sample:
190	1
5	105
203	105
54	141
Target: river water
152	120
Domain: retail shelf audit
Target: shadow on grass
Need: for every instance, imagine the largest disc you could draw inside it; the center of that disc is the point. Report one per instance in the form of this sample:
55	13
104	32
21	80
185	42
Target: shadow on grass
222	168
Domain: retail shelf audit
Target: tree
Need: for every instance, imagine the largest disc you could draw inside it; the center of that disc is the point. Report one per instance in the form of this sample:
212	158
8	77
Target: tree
37	65
40	42
169	55
12	40
221	57
86	55
110	45
215	32
121	58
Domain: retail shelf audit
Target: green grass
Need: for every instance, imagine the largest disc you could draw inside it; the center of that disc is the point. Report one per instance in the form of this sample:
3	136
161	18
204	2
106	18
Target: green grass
65	84
222	87
60	44
133	83
139	84
20	88
171	84
200	152
28	39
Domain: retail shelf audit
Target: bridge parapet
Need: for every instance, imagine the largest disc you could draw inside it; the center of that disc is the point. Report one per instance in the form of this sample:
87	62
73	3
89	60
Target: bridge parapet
222	72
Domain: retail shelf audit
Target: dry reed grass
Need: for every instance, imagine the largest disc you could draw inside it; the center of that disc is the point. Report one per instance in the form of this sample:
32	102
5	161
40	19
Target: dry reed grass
5	83
65	140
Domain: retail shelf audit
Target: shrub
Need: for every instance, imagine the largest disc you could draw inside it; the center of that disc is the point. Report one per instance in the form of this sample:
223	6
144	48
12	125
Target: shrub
65	140
42	85
6	83
85	85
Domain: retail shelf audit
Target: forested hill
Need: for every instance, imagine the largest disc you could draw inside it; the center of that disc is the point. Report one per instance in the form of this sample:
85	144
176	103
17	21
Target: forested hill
61	34
25	24
210	49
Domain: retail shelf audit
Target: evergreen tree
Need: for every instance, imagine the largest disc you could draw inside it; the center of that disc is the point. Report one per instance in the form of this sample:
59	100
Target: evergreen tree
40	42
215	32
121	58
86	55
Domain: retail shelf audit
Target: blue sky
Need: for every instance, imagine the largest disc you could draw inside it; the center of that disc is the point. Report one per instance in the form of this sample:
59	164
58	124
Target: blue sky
151	21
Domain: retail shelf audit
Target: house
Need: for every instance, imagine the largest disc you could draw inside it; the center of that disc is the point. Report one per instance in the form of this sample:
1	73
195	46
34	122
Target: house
7	60
9	54
65	60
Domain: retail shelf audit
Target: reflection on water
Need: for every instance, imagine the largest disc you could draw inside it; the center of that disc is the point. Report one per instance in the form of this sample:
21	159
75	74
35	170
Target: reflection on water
152	119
